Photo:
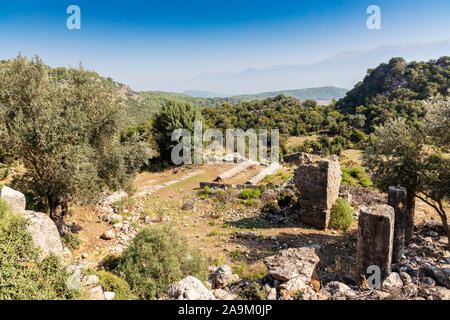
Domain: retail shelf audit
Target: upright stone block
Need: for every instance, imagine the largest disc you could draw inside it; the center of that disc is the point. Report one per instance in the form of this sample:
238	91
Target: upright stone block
318	184
375	239
397	200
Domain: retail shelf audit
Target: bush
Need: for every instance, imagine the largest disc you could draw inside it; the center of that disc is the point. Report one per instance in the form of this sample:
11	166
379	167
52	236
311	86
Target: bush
341	215
71	241
111	262
205	192
254	292
158	257
247	194
112	283
22	275
357	172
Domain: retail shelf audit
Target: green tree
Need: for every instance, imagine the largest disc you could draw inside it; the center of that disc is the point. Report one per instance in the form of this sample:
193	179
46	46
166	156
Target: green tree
411	157
173	115
393	157
66	134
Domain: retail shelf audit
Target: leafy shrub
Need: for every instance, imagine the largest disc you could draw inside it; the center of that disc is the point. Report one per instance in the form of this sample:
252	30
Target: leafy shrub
22	275
357	172
347	179
158	257
205	192
365	182
247	194
112	283
341	215
354	177
111	262
71	241
254	292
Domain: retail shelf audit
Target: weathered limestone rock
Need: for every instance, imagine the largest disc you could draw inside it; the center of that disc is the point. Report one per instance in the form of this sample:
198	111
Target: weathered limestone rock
108	235
109	295
318	184
393	283
293	266
298	158
375	238
42	229
189	288
223	276
397	200
96	294
14	198
44	233
440	275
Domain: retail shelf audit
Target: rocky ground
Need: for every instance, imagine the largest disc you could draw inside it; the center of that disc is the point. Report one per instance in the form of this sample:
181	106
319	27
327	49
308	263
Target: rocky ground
260	253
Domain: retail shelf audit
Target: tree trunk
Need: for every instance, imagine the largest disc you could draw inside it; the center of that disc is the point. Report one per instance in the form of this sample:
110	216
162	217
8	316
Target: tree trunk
410	208
446	229
58	211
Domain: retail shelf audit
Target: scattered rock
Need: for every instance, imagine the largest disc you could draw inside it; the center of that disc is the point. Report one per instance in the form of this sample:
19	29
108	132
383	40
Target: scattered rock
44	233
108	235
187	206
14	198
96	293
189	288
337	288
427	282
440	275
109	295
223	276
292	263
222	294
43	230
91	280
298	158
393	283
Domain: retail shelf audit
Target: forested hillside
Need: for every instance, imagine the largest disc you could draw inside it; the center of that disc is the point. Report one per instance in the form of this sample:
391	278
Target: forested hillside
320	94
395	89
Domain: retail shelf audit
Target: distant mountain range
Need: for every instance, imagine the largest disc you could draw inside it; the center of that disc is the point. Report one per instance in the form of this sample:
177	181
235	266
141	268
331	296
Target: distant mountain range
320	94
343	70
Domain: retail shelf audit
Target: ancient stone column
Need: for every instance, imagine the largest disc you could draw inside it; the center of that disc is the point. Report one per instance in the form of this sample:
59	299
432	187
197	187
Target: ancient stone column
318	184
375	238
397	200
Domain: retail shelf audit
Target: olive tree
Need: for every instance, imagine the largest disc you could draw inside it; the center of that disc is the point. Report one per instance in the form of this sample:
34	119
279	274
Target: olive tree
65	133
415	157
173	115
393	156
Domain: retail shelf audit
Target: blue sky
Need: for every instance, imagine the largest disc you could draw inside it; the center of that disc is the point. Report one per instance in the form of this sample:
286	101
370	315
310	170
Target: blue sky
147	43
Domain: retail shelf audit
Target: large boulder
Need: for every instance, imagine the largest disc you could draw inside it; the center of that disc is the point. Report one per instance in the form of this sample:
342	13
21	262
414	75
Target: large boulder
393	283
223	276
43	230
189	288
298	158
294	267
14	198
44	233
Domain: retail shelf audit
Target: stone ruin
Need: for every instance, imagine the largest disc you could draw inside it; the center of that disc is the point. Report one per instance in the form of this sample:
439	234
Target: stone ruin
318	184
375	239
381	234
298	158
